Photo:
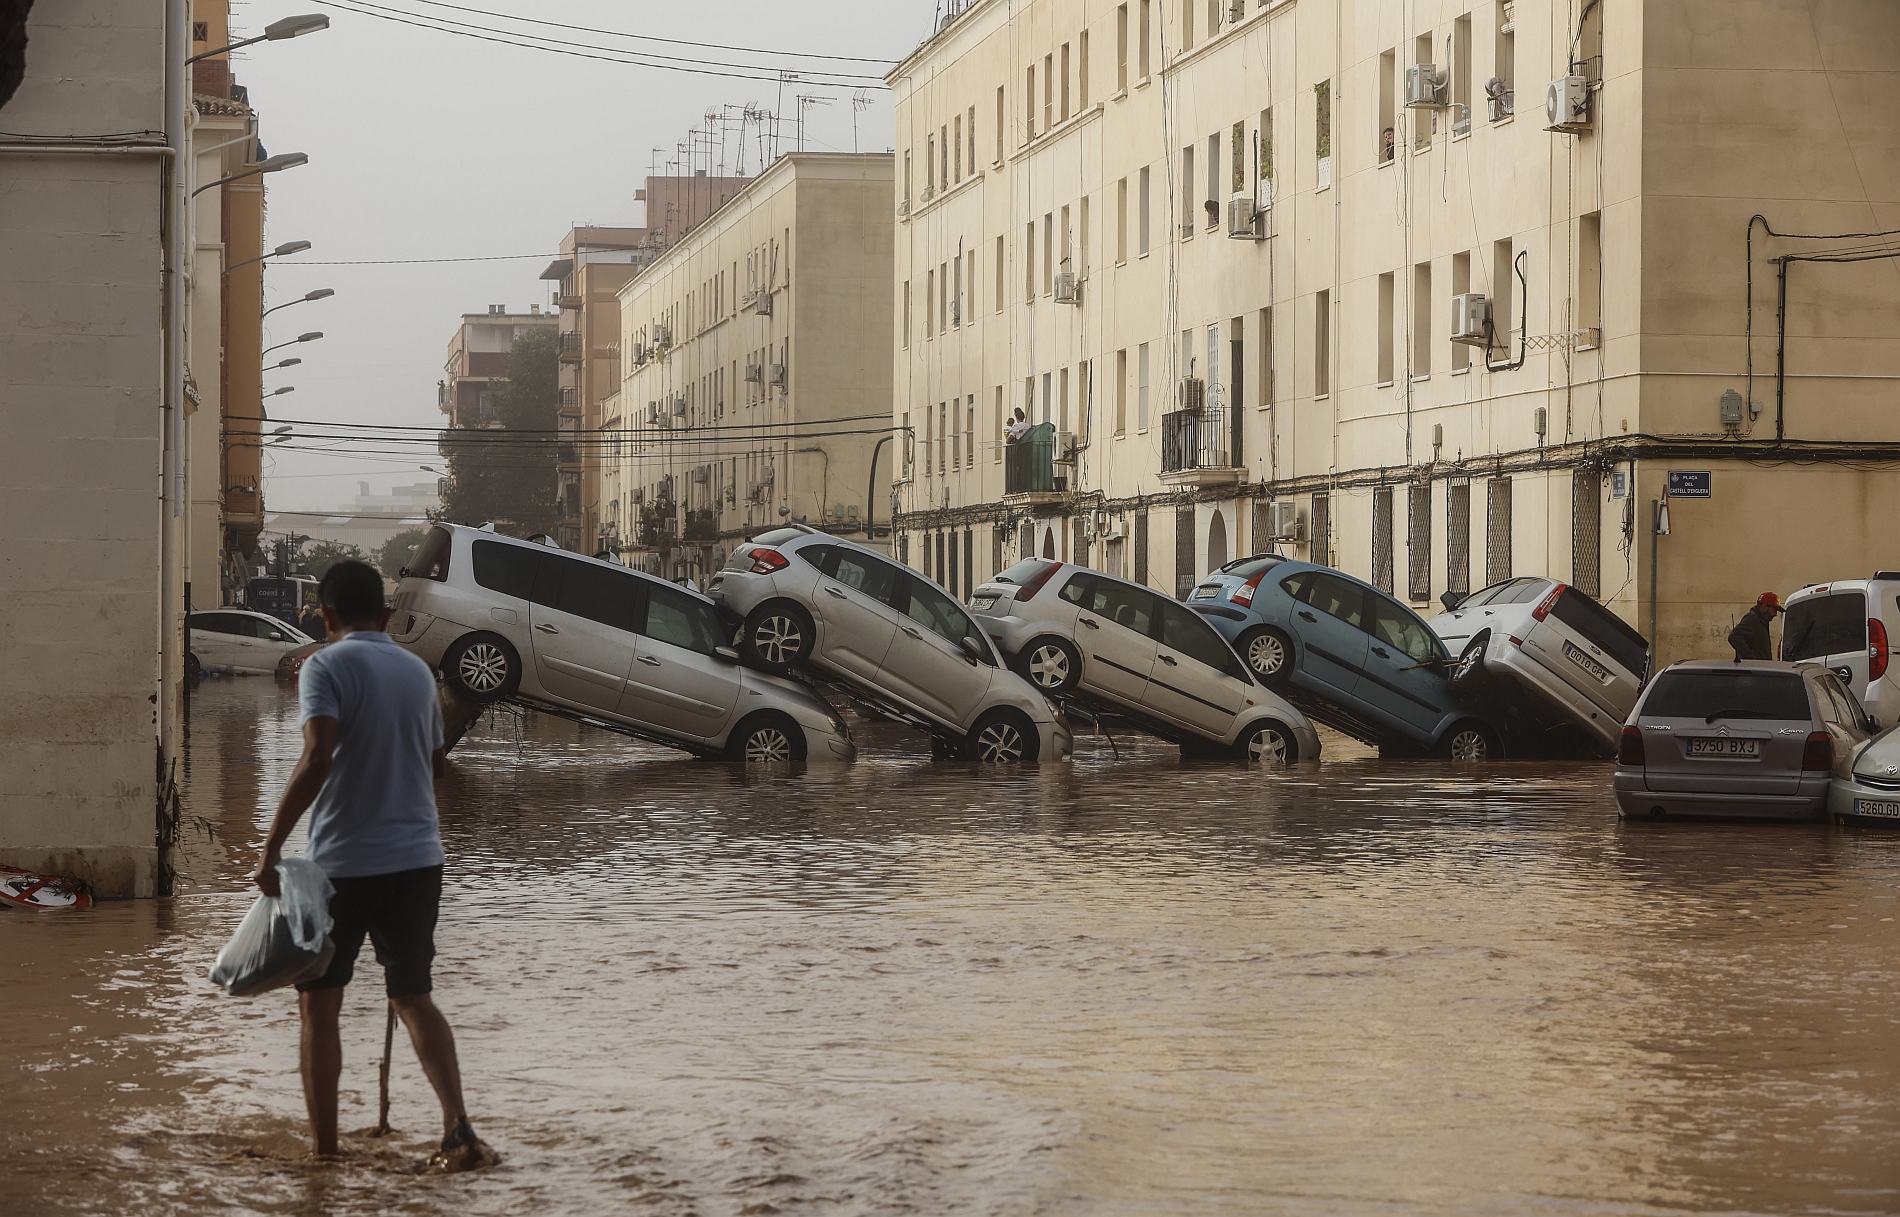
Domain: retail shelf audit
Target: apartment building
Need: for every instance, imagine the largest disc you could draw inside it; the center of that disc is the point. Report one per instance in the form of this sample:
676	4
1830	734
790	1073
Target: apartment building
1331	279
478	357
755	370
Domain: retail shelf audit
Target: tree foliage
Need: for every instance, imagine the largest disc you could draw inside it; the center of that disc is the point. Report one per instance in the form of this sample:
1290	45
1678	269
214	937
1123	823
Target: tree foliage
317	557
506	479
395	553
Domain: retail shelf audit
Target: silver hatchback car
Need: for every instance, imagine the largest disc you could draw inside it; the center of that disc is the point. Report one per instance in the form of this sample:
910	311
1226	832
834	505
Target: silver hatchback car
508	620
1755	738
901	642
1073	632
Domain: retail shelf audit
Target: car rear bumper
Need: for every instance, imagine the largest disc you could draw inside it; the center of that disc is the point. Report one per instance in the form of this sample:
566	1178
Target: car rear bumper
740	591
1844	796
429	637
1554	692
1058	744
1635	800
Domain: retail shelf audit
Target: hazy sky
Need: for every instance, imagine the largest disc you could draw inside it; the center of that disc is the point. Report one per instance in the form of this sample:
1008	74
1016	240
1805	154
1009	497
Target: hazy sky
428	145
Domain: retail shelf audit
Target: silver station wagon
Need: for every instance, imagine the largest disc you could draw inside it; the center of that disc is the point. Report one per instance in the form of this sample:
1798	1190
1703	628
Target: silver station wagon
509	620
1758	738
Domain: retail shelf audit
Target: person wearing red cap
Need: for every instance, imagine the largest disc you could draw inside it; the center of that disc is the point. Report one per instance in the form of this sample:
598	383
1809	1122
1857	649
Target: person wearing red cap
1750	635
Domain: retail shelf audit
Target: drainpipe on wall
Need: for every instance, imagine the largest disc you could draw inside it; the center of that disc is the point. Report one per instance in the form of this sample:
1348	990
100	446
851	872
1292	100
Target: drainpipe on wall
172	415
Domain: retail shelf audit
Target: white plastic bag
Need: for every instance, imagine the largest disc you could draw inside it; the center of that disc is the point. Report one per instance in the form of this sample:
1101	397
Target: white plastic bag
284	939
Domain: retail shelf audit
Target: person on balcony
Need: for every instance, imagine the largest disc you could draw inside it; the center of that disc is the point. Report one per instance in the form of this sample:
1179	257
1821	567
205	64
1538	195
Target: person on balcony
1018	427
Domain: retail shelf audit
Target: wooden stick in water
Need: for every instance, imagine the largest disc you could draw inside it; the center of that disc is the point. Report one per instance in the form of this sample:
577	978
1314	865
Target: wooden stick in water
389	1041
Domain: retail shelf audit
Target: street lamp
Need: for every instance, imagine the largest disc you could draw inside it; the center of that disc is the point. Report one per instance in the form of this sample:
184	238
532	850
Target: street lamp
282	391
292	362
276	31
270	164
322	293
312	336
282	251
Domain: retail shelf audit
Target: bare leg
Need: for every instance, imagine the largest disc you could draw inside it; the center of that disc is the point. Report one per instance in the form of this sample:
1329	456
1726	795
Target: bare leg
322	1062
435	1048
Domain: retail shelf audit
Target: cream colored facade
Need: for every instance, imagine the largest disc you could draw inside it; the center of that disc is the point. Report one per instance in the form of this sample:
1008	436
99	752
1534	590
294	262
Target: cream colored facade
1034	138
755	371
595	263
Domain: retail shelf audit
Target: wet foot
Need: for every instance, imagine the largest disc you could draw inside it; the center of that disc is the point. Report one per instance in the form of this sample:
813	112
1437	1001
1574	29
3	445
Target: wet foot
461	1150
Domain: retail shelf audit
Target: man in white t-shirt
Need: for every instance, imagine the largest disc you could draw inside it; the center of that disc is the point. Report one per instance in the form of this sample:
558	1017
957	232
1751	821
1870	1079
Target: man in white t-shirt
372	747
1018	427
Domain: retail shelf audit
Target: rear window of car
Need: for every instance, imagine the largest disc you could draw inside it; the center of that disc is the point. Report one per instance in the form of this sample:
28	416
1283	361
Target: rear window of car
1247	568
1508	589
1025	570
431	559
1604	628
1745	694
1825	625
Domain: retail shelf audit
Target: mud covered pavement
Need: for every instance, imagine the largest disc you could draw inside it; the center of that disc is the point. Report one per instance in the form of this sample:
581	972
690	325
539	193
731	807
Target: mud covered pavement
1112	987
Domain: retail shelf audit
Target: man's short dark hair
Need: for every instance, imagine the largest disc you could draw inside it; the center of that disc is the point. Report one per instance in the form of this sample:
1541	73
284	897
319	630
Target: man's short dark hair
354	590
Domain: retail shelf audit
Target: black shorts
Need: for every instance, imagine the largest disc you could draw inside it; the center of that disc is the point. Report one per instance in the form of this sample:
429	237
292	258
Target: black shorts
398	912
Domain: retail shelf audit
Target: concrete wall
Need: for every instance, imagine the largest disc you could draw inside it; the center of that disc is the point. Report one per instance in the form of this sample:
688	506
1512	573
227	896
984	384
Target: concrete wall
80	394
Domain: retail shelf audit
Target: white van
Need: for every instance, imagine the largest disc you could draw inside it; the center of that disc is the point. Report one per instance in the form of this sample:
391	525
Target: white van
1846	626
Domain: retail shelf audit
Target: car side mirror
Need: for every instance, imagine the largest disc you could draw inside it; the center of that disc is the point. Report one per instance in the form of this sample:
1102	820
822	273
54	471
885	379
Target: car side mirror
276	637
1451	601
1872	724
972	649
727	653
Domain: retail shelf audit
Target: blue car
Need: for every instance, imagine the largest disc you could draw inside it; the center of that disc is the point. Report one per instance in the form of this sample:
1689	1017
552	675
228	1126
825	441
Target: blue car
1347	654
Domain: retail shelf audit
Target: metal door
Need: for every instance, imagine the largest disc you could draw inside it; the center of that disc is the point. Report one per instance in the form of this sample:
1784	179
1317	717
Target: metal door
582	625
1403	680
857	599
926	664
1114	631
1327	619
1194	680
677	684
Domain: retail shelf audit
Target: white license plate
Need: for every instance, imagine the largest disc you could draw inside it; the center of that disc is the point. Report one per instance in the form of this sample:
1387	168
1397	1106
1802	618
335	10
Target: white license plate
1724	747
1575	655
983	604
1203	593
1877	807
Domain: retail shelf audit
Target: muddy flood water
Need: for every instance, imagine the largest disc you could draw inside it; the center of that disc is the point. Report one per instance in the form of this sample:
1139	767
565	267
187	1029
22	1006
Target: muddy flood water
1121	986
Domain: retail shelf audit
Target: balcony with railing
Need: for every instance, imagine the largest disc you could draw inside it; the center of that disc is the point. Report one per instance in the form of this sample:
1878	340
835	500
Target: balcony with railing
1194	449
1029	468
571	345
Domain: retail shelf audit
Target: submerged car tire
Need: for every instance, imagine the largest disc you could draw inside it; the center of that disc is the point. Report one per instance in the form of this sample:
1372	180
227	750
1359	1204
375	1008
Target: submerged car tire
482	667
1050	664
778	636
1470	741
1267	742
1003	737
1268	654
1469	676
765	738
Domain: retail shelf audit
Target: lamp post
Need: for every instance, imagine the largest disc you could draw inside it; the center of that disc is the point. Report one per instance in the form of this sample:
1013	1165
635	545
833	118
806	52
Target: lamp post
282	251
276	31
322	293
312	336
281	392
270	164
292	362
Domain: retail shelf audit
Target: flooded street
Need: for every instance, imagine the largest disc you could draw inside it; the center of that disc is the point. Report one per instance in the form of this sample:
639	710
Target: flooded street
1116	986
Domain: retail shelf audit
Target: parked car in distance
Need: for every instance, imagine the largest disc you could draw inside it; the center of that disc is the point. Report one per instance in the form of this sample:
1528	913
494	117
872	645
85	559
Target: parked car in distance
1848	626
1075	632
1758	738
1347	654
504	619
242	640
1560	664
903	643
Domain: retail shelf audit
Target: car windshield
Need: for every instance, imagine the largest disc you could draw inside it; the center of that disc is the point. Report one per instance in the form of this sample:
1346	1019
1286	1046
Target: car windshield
1247	568
1825	625
1024	571
1710	695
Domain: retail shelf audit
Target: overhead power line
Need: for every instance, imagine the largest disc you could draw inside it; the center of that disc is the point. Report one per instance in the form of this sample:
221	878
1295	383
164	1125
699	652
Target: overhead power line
714	46
418	261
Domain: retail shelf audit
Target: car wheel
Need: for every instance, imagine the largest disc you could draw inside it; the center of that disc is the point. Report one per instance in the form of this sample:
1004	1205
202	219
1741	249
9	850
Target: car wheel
1469	741
482	667
765	738
778	636
1469	676
1050	664
1269	743
1269	655
1003	737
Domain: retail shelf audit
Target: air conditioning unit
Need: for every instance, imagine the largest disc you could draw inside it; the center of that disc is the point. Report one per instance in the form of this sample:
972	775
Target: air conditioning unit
637	495
702	474
1065	448
1471	319
662	336
1190	394
778	376
763	305
767	475
679	405
1237	11
755	373
1068	288
1243	219
1283	520
1567	104
639	353
653	412
1424	87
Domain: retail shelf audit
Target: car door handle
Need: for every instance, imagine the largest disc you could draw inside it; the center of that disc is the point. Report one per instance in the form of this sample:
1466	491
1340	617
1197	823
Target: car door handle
832	591
1381	652
649	661
913	633
1089	622
547	629
1167	659
1308	617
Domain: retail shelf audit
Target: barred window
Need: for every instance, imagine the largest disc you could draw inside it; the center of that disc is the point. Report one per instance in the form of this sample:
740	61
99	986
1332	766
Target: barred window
1321	546
1458	538
1184	572
1497	531
1141	547
1262	526
1418	549
1382	539
1586	532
